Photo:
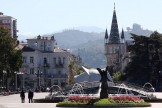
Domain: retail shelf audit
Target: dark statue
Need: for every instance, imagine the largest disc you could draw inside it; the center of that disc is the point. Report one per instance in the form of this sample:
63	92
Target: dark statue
104	85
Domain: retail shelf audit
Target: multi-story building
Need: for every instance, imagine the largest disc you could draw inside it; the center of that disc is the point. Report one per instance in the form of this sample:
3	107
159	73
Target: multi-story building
115	47
44	63
9	23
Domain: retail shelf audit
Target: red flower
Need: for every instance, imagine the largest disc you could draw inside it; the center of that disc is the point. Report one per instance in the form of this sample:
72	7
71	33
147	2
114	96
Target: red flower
79	98
126	99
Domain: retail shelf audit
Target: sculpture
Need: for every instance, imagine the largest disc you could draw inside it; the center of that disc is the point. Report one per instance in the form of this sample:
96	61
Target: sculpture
104	85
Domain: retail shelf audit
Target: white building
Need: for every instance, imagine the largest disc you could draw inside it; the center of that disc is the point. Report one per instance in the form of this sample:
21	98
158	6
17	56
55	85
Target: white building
44	63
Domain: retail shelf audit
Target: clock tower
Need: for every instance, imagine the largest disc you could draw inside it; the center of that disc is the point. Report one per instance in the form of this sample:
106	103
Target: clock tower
115	46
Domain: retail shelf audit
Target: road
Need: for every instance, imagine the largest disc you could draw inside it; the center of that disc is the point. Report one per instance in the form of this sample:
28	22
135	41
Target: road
14	101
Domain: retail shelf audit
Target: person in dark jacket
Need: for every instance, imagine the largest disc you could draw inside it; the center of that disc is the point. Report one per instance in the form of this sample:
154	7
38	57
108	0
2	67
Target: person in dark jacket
22	95
30	96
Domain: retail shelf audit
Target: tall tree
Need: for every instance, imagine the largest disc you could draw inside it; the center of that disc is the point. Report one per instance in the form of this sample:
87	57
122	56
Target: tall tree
10	58
139	65
155	58
145	59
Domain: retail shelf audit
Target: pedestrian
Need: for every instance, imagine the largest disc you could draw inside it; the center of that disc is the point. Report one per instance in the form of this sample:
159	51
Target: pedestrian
30	96
22	95
51	91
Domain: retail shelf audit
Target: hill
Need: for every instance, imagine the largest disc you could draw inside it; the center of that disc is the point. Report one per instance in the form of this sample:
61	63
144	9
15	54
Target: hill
90	45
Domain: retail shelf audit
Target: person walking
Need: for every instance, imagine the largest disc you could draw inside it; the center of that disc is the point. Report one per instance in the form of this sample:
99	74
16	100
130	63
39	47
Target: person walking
22	95
30	96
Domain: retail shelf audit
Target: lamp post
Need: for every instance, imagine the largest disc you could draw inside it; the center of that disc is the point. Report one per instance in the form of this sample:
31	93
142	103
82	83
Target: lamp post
39	79
15	81
22	79
4	72
1	83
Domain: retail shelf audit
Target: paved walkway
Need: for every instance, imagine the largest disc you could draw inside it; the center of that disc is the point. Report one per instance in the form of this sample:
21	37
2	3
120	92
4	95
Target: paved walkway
14	101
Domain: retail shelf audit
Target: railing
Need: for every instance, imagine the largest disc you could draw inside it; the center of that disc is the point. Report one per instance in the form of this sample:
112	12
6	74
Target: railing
59	65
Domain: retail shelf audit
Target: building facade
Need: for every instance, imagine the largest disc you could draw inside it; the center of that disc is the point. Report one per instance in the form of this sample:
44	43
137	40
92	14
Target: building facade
9	23
115	47
44	63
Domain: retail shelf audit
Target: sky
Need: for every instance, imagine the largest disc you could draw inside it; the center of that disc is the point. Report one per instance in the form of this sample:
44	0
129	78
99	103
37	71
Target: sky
36	17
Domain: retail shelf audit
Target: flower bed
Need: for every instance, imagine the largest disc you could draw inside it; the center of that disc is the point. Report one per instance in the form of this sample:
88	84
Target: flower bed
116	101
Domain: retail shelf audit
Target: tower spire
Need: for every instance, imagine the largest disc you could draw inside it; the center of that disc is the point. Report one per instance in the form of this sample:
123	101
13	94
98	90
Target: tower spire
106	36
122	36
114	33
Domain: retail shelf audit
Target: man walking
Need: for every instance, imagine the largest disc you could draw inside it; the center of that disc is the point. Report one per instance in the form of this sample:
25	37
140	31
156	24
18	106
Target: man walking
30	96
22	95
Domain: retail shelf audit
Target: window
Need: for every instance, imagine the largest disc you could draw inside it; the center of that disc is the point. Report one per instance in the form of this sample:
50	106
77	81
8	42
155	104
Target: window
45	60
59	60
59	72
49	47
55	82
24	59
31	59
6	21
63	60
54	61
41	44
32	71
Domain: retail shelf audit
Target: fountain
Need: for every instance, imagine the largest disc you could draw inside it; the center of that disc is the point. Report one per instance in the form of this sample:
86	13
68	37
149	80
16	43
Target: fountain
127	92
55	91
76	89
151	87
100	88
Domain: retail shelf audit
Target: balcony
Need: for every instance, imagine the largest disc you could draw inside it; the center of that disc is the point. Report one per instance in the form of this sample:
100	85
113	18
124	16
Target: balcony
59	65
46	65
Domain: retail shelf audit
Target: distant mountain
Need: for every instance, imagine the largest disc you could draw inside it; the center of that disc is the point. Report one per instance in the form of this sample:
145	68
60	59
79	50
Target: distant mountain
89	29
70	38
90	45
92	53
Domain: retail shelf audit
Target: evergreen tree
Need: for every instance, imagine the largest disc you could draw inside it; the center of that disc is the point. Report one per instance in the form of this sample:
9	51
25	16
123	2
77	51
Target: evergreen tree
145	59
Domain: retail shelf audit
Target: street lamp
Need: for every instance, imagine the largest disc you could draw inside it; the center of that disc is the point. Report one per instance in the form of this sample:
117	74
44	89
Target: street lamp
22	79
4	72
15	80
39	79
